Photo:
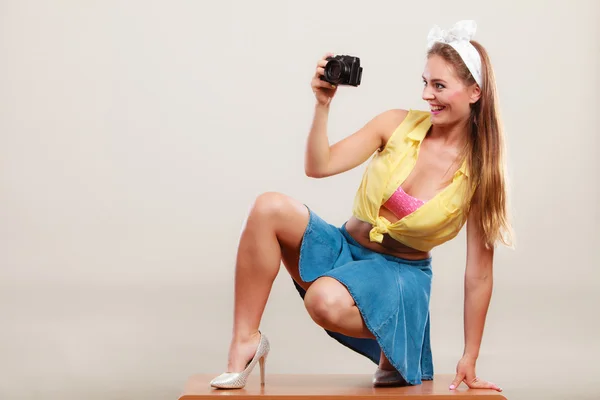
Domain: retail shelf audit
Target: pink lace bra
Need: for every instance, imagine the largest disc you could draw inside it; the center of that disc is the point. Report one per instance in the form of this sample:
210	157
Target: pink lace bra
401	203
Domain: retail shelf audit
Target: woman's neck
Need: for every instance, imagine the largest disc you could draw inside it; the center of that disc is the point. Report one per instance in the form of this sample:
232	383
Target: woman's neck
454	135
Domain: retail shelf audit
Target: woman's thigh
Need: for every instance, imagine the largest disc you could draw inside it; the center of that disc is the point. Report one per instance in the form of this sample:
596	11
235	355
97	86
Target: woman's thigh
289	219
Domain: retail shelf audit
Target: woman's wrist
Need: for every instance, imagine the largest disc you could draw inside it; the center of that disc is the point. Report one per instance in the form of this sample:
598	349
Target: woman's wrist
320	107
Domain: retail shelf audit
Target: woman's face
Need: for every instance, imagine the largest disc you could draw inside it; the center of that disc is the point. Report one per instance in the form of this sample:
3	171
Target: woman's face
448	97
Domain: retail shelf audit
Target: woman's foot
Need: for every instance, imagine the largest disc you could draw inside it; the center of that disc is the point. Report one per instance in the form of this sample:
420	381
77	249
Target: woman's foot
386	374
241	351
385	364
235	378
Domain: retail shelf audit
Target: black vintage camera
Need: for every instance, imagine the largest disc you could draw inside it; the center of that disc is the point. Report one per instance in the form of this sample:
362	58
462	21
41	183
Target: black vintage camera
343	70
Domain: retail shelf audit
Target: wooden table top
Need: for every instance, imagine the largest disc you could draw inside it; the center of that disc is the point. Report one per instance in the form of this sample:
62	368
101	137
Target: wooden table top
332	387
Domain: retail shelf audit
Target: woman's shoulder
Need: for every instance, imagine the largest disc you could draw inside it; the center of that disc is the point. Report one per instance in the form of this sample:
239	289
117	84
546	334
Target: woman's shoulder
391	120
396	119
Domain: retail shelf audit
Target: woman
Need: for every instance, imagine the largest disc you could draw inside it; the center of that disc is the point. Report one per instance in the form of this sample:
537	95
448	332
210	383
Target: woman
367	283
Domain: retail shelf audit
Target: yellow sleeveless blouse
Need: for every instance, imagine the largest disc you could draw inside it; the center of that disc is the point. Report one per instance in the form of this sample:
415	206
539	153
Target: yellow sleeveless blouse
435	222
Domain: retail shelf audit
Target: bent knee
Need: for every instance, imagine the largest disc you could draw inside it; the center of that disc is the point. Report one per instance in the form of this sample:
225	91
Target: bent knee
283	211
326	300
271	204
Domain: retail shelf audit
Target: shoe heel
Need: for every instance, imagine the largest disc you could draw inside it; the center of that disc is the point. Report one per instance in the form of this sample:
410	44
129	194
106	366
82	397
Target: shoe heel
261	362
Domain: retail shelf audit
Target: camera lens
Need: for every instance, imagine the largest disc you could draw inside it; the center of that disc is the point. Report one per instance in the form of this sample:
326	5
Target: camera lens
333	71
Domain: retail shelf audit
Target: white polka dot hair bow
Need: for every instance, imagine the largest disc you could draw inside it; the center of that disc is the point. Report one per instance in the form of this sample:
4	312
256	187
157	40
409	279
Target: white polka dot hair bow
459	37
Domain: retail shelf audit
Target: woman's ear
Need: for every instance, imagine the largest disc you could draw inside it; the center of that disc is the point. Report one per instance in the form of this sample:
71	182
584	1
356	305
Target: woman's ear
475	94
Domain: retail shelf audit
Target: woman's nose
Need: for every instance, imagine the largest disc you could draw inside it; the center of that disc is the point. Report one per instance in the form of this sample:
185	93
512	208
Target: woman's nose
427	94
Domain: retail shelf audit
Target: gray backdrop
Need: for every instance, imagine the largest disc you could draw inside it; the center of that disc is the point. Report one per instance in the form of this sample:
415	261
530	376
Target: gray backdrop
135	135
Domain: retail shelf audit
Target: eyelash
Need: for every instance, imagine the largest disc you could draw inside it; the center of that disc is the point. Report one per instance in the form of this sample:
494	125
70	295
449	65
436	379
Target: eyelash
442	86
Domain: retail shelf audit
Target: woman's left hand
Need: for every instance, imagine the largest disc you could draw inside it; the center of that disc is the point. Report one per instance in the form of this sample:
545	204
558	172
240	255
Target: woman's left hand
465	372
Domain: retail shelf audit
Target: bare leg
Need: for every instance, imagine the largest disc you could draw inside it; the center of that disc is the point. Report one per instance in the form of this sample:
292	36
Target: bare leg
332	307
274	228
349	322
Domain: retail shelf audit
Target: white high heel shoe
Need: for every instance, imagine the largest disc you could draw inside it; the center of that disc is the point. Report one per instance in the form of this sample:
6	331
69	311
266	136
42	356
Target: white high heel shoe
237	380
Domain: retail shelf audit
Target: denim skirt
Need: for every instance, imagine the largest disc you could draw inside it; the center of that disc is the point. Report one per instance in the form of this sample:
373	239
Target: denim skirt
391	293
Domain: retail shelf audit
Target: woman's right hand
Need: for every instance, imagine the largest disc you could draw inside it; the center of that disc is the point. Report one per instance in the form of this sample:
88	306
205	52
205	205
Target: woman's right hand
323	90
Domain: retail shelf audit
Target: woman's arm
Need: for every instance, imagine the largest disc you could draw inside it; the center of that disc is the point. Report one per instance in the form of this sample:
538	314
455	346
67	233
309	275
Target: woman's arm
478	292
478	284
323	160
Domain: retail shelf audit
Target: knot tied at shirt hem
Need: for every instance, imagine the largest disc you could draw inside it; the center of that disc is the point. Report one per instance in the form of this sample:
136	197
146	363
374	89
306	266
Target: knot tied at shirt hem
380	228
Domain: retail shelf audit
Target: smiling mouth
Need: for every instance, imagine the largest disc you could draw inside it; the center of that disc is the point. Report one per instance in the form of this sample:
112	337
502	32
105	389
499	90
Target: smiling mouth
437	109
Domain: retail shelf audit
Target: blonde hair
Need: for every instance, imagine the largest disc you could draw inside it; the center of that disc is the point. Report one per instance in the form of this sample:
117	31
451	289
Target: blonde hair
484	151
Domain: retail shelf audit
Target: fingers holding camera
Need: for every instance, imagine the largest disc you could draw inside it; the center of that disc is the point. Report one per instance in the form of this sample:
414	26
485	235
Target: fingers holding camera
322	63
318	83
324	91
